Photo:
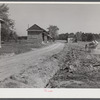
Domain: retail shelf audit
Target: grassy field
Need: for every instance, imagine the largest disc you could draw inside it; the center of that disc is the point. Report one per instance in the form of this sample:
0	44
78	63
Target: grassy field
17	48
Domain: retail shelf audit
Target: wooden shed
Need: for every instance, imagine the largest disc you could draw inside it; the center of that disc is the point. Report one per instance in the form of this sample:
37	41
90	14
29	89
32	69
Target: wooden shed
37	35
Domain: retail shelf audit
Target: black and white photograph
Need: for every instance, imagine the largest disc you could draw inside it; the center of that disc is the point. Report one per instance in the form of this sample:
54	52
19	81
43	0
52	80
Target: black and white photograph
49	45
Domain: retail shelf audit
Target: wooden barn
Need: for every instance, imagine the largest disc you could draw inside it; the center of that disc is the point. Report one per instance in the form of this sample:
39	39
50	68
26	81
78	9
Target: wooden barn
37	35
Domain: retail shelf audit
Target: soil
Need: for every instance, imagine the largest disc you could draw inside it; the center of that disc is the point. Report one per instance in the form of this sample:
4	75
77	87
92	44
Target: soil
78	68
30	70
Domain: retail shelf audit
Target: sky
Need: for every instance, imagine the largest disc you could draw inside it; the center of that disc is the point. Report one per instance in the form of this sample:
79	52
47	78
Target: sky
67	17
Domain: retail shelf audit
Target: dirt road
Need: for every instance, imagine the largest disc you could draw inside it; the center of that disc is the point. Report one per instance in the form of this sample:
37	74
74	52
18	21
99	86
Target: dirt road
13	65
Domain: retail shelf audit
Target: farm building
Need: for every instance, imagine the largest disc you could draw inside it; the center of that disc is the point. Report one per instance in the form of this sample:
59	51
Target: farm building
37	35
71	38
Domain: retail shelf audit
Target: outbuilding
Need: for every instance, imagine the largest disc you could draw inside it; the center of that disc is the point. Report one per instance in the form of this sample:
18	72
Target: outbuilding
37	35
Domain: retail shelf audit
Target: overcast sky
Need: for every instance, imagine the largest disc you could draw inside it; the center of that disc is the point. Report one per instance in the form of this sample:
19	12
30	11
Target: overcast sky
68	17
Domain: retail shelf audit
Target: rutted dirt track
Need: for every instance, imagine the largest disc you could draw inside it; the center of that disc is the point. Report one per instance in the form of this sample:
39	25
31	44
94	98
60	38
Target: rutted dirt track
29	69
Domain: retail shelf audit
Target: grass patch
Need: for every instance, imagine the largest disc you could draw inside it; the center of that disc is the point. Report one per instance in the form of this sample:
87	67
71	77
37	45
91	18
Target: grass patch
17	48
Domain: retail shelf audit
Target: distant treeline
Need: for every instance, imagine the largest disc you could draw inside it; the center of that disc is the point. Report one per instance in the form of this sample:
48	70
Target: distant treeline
79	36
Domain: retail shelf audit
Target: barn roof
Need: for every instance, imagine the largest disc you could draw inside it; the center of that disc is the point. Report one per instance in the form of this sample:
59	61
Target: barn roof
38	28
35	28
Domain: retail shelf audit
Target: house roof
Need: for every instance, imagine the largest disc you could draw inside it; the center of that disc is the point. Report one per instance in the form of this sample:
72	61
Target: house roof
35	28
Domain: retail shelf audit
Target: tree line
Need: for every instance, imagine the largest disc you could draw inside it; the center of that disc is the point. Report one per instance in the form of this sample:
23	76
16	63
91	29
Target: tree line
80	36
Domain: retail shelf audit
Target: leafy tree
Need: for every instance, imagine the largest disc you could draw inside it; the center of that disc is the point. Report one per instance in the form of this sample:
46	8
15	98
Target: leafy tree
90	37
71	34
8	25
53	31
84	37
75	38
66	35
63	36
79	36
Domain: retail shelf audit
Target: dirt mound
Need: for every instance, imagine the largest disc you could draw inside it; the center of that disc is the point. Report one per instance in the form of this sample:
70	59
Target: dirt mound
78	69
